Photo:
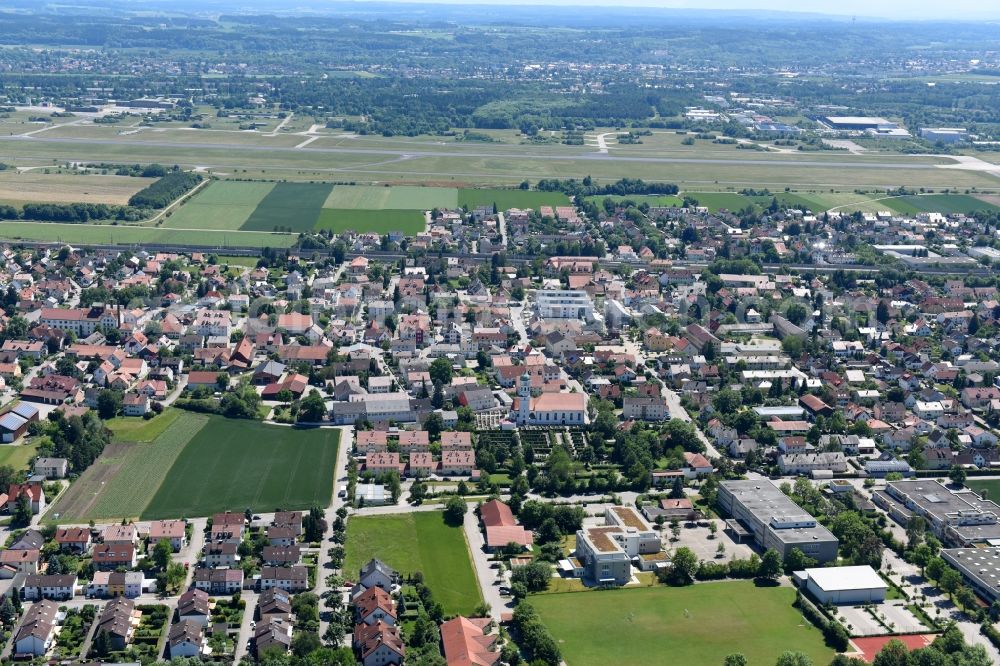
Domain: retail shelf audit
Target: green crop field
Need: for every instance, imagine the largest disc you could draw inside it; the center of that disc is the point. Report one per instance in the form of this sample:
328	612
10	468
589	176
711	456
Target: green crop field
700	624
717	200
410	222
235	464
511	198
396	197
663	201
947	203
419	541
289	206
224	204
107	234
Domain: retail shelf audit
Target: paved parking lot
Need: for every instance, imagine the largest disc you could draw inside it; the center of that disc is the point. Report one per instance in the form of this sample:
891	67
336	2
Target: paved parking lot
859	622
697	539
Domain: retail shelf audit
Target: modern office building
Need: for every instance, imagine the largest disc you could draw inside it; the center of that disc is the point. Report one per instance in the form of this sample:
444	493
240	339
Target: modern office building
758	509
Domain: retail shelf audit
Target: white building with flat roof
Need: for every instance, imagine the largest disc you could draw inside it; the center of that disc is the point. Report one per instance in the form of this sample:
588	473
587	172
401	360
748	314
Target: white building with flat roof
564	304
844	585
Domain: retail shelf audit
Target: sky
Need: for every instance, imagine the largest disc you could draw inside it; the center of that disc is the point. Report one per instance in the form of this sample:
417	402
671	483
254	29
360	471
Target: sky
895	9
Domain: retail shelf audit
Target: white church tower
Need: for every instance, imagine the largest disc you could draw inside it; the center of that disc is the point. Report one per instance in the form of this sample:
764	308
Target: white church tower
524	394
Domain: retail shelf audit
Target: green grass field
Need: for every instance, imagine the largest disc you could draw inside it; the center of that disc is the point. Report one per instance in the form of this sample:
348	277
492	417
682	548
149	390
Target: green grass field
235	464
18	455
991	486
715	201
419	541
132	429
396	197
410	222
943	203
700	624
511	198
289	206
665	200
224	204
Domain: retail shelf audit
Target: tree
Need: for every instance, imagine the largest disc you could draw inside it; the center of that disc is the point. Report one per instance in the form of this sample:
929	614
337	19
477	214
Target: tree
440	371
312	409
770	565
957	475
683	566
418	491
950	580
22	511
534	576
791	658
797	561
677	491
434	424
163	554
796	313
109	403
305	642
102	644
893	653
454	510
882	312
935	568
735	659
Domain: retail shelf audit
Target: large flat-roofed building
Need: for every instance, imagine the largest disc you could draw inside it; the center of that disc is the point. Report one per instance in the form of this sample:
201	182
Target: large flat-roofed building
858	123
774	520
605	553
564	304
945	134
844	585
980	567
959	519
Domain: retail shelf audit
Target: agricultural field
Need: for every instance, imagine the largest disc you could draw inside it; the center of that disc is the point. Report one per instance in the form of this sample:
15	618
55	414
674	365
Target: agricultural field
186	464
108	234
939	203
409	222
396	197
293	207
36	186
664	200
122	480
510	198
700	624
418	541
235	464
222	204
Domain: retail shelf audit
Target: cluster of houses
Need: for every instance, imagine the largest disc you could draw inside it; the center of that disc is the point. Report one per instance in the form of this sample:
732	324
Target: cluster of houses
377	639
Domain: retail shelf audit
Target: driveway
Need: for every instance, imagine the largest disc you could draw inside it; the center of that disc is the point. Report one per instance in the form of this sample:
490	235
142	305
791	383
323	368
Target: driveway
486	575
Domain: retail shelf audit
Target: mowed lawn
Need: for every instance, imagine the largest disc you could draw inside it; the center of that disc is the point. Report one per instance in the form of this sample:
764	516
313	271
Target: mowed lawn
700	624
510	198
236	464
223	204
292	207
991	486
409	222
418	541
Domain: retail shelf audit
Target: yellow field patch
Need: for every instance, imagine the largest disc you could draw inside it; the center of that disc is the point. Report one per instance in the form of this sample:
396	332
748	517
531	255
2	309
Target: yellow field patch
39	187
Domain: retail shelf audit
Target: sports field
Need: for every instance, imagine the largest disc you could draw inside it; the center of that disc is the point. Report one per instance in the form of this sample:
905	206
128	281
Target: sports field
991	486
185	464
418	541
700	624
